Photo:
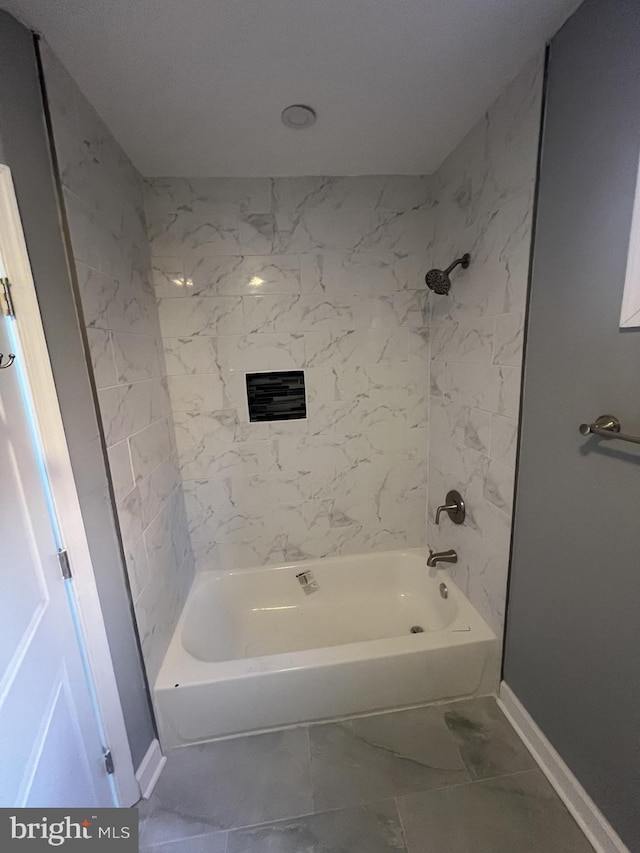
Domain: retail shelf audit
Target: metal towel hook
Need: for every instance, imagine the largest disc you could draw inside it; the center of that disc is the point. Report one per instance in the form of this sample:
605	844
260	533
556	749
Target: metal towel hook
10	359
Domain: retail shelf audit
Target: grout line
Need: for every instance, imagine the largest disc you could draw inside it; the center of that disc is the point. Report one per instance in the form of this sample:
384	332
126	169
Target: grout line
276	820
112	356
493	340
131	334
505	775
433	790
438	703
138	483
158	848
402	829
289	819
311	790
463	784
372	803
128	382
144	428
131	469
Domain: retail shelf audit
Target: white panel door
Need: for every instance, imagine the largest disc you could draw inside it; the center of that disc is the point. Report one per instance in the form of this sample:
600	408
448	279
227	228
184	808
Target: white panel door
50	746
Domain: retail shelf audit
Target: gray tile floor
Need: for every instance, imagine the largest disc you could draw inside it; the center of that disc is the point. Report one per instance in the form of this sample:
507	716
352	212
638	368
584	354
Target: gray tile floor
445	779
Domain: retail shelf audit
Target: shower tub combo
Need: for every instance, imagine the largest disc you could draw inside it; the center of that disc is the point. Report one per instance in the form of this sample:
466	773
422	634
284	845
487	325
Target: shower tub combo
270	647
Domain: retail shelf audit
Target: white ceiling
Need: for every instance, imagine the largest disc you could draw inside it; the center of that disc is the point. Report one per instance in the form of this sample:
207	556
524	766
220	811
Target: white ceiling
196	87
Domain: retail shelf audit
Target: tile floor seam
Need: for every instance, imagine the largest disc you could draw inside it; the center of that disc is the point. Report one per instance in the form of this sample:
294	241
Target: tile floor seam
425	817
382	818
440	703
301	816
504	775
268	822
440	788
399	797
401	822
444	777
311	791
157	848
179	838
495	775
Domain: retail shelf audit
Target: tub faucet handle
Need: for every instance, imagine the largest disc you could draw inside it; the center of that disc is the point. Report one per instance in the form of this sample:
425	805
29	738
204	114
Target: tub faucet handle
454	507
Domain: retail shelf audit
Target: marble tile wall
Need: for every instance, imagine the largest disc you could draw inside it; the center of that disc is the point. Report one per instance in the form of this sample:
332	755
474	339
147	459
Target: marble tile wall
104	207
485	194
323	274
320	274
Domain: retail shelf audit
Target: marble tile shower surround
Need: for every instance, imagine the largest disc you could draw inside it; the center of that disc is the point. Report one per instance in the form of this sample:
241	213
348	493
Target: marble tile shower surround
104	206
485	194
324	274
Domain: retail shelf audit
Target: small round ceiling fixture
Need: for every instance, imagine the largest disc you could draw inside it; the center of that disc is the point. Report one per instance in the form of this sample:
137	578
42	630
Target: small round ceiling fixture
298	116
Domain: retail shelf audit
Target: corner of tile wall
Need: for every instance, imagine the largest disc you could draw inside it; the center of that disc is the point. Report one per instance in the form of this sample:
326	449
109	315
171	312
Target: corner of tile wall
485	192
104	206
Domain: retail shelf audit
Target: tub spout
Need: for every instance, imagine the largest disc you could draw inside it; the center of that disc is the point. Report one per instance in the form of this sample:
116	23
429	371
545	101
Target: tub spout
441	557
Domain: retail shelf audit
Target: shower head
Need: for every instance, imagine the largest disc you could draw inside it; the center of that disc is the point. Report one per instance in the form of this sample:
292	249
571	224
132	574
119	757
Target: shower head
439	281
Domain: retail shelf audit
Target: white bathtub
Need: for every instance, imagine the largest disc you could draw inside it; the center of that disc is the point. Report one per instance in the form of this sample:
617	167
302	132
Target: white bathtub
253	650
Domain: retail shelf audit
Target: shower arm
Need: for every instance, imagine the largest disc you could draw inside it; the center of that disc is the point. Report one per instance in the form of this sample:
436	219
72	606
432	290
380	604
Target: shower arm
463	262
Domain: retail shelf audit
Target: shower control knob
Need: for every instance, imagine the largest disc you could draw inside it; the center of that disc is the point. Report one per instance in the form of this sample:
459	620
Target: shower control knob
454	507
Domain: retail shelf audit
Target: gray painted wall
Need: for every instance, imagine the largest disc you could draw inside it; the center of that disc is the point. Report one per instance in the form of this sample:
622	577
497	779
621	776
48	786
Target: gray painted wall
25	150
573	629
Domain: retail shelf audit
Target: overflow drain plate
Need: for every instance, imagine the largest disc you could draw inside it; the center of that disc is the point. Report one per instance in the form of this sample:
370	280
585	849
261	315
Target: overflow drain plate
417	629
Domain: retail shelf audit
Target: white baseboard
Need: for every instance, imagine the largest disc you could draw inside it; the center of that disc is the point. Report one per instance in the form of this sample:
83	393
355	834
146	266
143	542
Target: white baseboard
587	815
150	769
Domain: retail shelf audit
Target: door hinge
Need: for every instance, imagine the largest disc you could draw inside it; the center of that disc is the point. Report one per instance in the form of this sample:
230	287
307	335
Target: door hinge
108	762
65	565
5	298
